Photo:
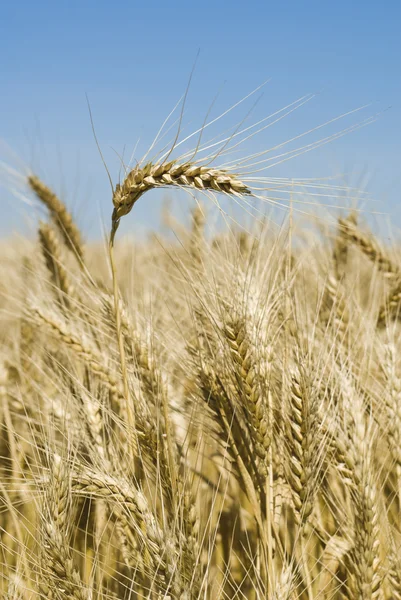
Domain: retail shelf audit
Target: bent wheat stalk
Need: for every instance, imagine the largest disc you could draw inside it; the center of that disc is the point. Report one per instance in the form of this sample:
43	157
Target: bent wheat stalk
139	181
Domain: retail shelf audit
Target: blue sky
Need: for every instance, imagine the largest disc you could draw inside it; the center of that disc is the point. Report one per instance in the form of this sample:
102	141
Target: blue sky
133	60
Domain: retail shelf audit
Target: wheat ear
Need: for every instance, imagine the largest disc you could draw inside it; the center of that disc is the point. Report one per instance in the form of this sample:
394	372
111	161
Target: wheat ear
335	309
143	179
302	432
79	345
393	406
392	305
197	241
52	254
341	244
15	585
59	572
369	247
246	364
364	579
60	215
133	510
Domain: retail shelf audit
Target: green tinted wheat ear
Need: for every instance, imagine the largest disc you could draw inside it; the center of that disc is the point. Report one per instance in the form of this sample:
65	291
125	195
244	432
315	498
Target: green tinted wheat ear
60	215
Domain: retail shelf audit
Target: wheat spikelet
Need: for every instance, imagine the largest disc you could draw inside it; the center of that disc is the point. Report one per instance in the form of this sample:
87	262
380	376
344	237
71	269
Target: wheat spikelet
15	587
285	588
60	215
95	421
190	546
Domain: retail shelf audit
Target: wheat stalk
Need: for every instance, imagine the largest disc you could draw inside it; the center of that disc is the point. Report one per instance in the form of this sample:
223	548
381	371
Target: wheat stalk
136	183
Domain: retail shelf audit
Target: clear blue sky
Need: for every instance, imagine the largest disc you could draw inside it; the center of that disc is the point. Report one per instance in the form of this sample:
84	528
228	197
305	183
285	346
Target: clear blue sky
133	60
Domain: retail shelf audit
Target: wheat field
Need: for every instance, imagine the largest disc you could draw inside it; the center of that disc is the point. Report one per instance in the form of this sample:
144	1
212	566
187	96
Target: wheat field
215	415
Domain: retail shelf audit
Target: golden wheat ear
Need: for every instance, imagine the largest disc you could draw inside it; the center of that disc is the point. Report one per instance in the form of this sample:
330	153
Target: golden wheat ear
369	247
60	215
188	175
52	254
